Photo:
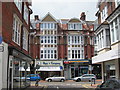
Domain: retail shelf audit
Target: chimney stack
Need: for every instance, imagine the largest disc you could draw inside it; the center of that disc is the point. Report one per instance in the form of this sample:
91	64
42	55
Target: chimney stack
83	16
36	17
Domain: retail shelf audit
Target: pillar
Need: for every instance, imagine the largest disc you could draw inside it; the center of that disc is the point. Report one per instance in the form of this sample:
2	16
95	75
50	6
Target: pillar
103	72
117	67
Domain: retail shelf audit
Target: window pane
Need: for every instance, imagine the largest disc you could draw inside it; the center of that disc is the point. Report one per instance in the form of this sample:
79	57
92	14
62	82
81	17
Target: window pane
75	53
72	53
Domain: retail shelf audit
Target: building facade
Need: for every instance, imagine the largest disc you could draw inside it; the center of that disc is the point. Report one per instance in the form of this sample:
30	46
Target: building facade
107	34
14	54
66	46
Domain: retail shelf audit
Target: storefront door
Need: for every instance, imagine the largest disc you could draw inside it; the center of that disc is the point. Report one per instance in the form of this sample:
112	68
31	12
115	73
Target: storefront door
76	72
10	74
10	79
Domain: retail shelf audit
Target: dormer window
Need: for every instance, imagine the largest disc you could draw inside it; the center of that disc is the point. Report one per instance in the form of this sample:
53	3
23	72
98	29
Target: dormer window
75	26
48	26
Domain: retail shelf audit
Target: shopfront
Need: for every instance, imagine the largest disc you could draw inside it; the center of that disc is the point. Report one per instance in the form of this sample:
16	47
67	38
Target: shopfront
110	64
50	68
75	68
19	64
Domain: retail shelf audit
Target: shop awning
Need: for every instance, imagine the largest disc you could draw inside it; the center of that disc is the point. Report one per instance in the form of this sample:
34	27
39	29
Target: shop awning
22	69
77	61
81	61
50	68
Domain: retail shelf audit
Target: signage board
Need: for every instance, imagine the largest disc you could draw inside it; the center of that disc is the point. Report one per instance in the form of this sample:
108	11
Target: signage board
1	48
50	63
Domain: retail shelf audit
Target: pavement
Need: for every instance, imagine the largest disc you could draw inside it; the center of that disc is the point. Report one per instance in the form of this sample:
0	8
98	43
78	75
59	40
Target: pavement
83	84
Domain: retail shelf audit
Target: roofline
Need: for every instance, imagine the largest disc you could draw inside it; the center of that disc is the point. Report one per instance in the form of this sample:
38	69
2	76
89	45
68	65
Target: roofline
74	18
50	15
113	12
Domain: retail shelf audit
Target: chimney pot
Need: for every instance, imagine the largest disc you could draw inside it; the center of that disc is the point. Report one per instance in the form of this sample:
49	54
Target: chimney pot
83	16
36	17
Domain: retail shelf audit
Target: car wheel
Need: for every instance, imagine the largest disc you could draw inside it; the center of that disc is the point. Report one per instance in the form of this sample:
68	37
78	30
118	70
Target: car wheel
49	80
78	80
62	80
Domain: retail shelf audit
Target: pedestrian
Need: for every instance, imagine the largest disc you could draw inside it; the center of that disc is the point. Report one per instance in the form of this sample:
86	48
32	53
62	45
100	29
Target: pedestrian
37	81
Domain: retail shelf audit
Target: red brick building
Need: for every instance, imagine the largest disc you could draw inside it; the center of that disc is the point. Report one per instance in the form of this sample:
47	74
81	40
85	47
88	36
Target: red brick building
15	30
66	42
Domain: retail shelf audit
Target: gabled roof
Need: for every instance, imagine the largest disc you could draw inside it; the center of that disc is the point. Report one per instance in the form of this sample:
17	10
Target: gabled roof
74	20
48	18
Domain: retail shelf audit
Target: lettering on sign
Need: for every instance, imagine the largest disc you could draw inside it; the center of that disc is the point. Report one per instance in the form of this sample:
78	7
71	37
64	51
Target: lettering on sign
50	63
1	48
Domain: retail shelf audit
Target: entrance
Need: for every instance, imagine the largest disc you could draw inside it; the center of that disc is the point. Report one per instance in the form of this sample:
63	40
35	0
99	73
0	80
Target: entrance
10	79
10	74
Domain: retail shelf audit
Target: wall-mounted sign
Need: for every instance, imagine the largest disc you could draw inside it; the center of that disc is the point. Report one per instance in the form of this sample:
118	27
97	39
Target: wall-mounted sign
1	48
50	63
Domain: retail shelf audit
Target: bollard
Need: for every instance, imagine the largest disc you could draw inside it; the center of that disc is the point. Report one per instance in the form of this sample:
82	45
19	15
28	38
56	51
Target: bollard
91	82
94	81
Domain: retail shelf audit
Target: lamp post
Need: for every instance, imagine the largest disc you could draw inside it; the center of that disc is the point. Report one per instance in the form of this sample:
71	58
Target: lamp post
25	67
37	67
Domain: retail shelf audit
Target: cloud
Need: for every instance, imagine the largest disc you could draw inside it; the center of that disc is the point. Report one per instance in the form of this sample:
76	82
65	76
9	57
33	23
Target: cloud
64	9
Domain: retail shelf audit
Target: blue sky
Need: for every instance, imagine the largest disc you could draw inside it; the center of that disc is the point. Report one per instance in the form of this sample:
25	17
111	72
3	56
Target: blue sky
64	9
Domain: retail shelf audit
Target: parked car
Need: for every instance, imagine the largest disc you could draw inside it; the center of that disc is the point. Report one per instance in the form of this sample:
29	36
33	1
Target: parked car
111	84
34	77
18	79
85	77
55	78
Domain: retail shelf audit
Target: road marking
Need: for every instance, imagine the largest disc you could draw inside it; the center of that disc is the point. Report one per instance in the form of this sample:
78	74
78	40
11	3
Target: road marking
85	86
68	84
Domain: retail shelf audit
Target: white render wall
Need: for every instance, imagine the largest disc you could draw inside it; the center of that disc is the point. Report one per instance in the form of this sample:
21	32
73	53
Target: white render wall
0	69
3	66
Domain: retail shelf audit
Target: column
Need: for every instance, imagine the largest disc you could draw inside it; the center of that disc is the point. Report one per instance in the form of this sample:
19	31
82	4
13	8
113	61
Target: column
117	67
103	72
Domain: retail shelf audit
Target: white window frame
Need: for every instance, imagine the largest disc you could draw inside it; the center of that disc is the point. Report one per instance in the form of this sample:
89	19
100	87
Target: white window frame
48	26
52	54
52	40
115	32
26	12
25	39
74	26
75	53
18	3
75	39
104	14
16	29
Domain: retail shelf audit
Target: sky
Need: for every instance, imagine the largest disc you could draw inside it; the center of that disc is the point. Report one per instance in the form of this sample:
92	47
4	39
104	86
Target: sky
65	9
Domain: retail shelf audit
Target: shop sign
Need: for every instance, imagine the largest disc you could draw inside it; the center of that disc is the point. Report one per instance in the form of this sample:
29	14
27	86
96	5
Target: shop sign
50	63
1	48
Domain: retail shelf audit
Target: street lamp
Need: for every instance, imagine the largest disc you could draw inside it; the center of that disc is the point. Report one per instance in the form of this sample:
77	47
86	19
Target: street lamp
37	67
25	67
